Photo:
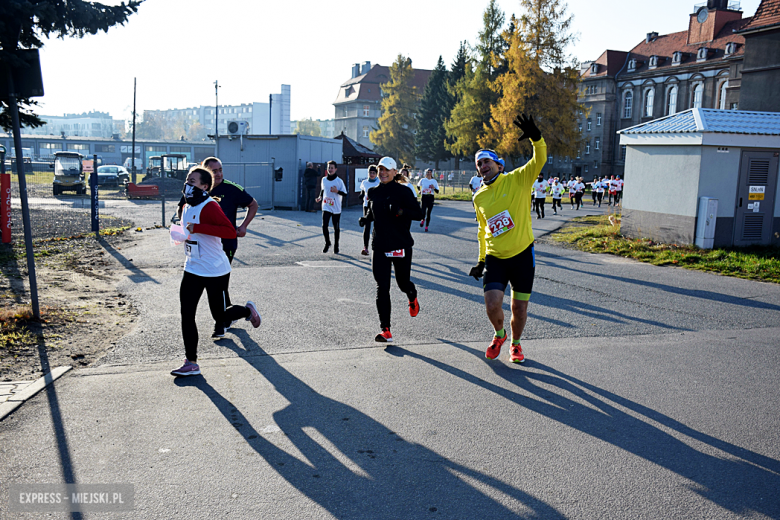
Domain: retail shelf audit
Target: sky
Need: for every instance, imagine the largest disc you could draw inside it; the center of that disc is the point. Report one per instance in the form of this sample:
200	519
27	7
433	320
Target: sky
178	48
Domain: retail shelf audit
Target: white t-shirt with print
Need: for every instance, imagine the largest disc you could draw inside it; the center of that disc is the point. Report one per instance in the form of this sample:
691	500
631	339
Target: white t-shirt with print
619	183
367	185
541	189
557	190
332	201
427	186
579	187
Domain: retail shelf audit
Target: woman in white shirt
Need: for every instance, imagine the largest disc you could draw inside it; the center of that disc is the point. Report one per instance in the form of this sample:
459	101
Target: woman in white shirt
428	186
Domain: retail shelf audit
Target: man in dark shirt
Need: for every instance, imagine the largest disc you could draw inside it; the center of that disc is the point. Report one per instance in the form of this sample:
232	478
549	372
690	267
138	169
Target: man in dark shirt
310	176
230	196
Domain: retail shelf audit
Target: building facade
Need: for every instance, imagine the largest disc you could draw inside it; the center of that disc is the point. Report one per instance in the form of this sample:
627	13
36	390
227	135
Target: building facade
662	75
359	101
760	83
88	124
257	116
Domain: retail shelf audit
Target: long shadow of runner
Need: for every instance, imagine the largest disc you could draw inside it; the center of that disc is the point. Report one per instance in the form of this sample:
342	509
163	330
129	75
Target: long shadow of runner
385	476
749	484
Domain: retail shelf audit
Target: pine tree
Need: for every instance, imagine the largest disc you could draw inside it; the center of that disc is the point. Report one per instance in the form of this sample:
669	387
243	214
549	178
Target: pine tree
23	22
397	124
538	83
434	110
474	92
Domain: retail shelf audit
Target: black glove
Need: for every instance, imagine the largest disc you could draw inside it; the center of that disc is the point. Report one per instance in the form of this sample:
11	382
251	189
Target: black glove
362	221
528	127
477	270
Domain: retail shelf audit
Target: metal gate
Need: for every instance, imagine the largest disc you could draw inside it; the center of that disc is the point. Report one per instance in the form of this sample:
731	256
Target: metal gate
756	198
257	178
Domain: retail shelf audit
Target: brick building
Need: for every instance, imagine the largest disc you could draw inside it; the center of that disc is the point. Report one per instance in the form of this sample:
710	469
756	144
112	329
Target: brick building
700	67
359	101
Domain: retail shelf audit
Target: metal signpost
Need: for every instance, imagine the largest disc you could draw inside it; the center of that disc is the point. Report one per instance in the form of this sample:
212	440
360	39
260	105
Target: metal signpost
93	186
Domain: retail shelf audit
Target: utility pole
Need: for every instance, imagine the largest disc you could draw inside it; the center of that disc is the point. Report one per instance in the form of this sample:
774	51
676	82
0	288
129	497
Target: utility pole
132	150
216	117
270	111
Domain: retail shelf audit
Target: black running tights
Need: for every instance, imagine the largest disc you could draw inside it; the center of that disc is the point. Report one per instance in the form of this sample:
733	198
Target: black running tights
427	207
381	266
190	291
326	216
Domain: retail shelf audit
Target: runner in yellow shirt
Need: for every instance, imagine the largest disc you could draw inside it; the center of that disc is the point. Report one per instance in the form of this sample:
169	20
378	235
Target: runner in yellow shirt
506	250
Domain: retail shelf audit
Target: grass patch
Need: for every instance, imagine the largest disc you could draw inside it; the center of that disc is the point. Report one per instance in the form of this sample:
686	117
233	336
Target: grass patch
596	234
14	333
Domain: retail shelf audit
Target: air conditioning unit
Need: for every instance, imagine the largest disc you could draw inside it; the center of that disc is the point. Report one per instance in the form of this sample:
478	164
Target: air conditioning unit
238	127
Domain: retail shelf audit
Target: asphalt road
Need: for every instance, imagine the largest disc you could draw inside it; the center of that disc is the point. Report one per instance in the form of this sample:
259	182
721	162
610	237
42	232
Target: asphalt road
648	392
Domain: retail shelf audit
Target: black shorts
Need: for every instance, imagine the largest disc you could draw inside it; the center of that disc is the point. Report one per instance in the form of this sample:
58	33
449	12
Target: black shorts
518	271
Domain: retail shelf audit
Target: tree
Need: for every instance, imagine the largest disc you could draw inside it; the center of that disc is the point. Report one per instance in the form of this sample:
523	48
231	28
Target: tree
550	95
434	111
474	92
23	22
153	126
397	124
308	127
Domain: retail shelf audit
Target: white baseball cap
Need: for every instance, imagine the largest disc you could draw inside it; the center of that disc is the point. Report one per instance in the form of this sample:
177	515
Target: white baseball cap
387	162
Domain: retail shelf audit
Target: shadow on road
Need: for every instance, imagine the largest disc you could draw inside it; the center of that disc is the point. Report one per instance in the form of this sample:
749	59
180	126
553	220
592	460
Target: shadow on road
746	481
138	275
354	466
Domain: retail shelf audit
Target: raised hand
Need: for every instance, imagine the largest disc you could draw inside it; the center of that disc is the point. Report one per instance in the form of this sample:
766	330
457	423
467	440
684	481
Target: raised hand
527	125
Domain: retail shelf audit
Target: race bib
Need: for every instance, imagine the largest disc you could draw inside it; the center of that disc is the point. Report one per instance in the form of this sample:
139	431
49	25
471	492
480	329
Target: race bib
398	253
500	223
427	191
191	249
328	201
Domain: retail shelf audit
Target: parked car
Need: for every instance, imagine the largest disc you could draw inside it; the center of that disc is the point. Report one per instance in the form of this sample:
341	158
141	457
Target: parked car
112	175
68	173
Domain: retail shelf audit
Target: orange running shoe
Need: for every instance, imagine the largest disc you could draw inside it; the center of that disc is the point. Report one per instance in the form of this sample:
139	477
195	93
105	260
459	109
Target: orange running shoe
384	336
516	354
414	308
495	347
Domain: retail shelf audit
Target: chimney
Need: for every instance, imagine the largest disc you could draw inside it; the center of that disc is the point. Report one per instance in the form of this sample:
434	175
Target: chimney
365	67
651	36
356	70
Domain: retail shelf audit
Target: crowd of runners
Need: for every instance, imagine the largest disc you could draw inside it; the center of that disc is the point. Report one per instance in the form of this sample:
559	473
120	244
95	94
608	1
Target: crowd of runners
505	240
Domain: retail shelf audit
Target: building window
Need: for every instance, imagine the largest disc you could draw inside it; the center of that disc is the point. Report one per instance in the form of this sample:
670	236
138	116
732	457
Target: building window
365	131
698	93
594	68
596	143
671	100
587	148
702	54
649	99
51	146
731	48
105	148
180	149
598	119
579	126
79	147
590	125
586	169
550	160
578	153
628	98
722	102
366	109
595	165
156	149
653	62
623	153
631	65
677	58
734	106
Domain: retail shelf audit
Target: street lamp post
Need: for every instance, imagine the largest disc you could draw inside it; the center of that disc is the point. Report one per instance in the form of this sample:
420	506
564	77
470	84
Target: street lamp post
216	116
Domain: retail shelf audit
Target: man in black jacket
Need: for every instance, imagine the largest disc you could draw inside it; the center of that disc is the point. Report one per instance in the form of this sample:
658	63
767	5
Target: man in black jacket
391	207
310	176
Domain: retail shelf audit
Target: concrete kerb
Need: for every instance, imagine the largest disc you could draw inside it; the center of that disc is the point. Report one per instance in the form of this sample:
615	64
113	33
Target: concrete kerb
17	399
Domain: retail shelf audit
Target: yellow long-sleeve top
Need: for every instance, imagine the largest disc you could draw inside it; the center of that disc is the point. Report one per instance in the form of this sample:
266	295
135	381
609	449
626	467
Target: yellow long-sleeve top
503	209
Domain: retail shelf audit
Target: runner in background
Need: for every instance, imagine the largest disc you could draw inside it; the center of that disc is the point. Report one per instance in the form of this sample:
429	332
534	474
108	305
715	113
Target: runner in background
392	208
366	185
579	191
332	190
557	191
618	190
599	189
506	250
611	187
428	186
570	186
593	189
403	178
540	188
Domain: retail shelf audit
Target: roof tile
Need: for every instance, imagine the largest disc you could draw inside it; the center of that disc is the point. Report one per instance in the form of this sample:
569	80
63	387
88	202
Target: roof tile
709	120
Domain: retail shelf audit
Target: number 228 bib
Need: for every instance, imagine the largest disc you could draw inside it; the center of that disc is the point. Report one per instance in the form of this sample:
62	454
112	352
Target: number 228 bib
500	223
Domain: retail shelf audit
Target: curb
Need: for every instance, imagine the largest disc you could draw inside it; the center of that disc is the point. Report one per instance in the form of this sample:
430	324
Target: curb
16	400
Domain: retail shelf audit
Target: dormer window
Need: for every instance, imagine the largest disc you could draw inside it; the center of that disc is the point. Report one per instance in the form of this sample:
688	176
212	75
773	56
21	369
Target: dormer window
594	68
702	54
631	65
677	58
731	48
653	62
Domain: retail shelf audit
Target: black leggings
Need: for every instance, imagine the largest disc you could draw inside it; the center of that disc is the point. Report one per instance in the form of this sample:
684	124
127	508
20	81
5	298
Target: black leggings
600	197
381	266
326	216
558	203
539	206
366	229
190	291
578	199
427	207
